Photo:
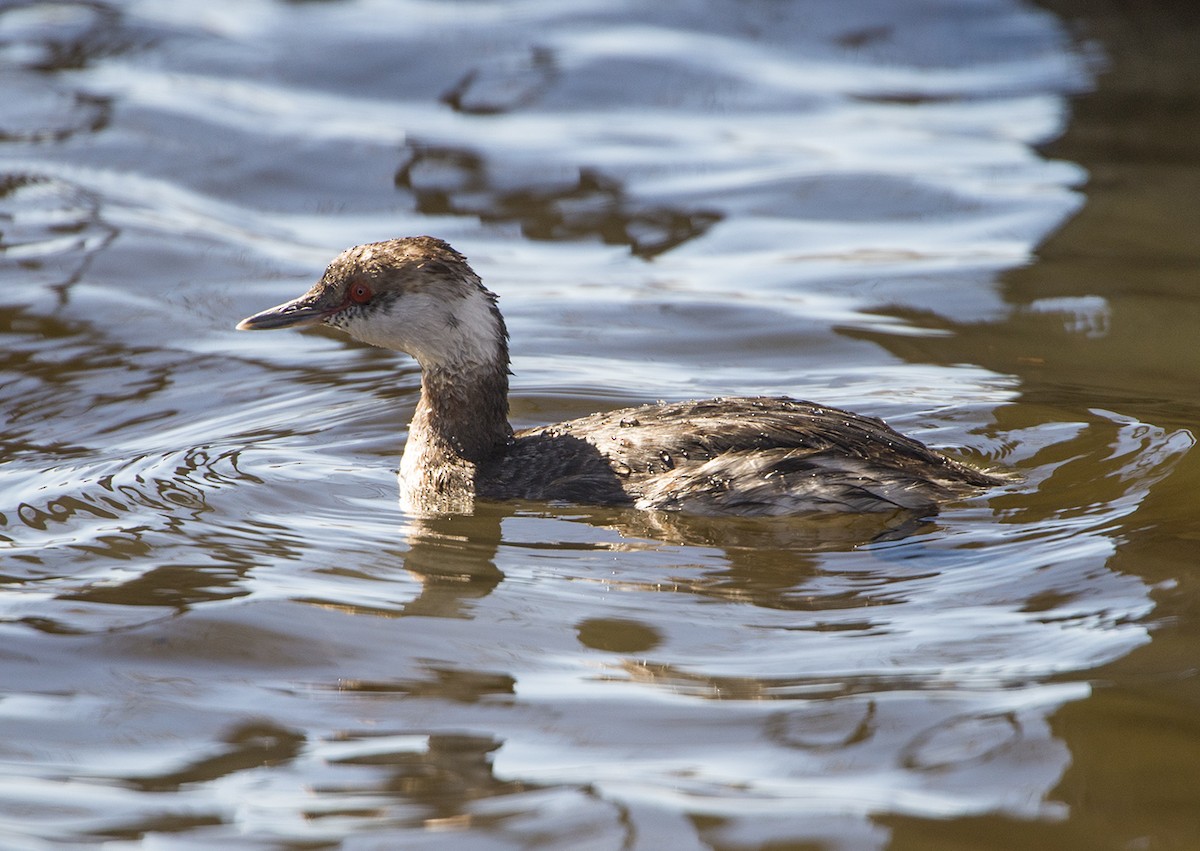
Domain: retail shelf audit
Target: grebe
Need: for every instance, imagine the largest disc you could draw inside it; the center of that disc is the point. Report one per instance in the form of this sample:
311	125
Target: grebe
744	456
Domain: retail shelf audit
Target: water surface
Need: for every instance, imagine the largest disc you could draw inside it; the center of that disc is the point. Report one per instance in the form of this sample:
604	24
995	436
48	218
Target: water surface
218	625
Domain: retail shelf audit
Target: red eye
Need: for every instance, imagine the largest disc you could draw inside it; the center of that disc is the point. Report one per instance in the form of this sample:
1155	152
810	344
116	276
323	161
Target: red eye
360	293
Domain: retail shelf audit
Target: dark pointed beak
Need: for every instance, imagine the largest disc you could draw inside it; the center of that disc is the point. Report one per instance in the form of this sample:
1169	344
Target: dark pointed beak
305	310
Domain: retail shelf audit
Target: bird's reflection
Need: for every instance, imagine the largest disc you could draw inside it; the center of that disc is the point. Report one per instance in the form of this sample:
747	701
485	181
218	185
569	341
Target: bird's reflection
454	558
769	562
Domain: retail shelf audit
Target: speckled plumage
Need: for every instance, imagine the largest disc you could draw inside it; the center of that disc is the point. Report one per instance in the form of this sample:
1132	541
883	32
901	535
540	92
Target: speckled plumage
748	456
744	456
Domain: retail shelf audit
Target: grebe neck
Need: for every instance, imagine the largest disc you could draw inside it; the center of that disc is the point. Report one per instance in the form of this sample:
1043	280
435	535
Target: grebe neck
460	422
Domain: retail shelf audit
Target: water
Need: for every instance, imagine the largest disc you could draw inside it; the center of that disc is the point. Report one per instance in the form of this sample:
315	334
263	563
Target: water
218	625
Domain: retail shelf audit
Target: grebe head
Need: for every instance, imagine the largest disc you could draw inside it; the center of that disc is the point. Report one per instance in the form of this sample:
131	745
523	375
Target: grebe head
415	295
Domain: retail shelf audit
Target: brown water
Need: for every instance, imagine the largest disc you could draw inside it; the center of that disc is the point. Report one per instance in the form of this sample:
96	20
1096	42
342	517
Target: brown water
975	219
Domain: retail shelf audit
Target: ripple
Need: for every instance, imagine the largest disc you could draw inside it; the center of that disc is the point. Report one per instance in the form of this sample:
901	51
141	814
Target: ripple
825	725
45	113
44	36
50	224
591	205
963	740
498	88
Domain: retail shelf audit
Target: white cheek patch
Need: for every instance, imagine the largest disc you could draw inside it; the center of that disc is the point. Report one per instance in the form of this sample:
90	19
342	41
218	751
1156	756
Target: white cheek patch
475	325
436	332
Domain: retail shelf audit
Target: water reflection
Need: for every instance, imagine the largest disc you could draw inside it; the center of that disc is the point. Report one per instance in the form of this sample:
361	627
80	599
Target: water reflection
248	746
451	558
48	37
53	229
505	86
448	181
